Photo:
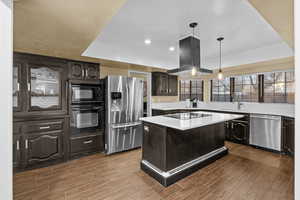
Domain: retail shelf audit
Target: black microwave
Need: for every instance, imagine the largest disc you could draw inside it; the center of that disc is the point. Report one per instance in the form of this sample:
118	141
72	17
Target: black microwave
86	93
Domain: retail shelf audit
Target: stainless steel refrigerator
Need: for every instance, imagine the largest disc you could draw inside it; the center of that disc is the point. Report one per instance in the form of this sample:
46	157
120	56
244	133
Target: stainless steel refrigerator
124	108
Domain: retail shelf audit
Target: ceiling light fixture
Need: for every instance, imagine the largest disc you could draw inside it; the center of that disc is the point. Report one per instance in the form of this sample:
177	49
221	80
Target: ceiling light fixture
220	73
147	41
171	48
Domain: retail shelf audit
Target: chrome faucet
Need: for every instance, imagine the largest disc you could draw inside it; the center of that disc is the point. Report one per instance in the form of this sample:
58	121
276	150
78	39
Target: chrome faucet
238	100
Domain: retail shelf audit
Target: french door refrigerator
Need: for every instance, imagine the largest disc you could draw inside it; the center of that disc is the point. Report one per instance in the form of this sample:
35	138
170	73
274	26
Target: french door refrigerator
124	108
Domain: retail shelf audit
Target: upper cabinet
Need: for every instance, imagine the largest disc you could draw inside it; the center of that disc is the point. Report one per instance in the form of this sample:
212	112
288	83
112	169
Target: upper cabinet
164	84
44	87
39	85
83	71
17	105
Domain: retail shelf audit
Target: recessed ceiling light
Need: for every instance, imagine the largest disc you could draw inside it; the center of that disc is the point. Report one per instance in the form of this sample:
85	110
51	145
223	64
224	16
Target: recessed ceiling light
147	41
171	48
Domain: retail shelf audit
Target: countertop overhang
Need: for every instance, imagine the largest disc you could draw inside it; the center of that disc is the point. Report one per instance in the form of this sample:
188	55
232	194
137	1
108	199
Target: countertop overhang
187	124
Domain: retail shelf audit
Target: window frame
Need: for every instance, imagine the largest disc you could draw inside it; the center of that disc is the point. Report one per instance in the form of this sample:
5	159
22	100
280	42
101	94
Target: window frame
190	91
261	87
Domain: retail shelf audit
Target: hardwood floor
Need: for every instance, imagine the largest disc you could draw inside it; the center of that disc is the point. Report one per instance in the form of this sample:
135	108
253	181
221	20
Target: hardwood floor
245	174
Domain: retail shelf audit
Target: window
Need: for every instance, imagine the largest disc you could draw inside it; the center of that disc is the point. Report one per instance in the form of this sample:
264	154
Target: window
279	87
246	88
220	89
190	89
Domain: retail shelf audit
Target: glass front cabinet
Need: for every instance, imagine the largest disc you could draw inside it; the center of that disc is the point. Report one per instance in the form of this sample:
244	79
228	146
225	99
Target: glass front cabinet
16	87
38	88
44	88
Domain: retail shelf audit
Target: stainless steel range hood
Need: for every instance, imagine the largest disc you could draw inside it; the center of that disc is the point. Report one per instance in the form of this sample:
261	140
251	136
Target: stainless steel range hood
190	57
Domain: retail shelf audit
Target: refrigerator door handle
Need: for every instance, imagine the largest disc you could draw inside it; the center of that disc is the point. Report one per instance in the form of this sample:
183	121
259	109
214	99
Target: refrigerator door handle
126	125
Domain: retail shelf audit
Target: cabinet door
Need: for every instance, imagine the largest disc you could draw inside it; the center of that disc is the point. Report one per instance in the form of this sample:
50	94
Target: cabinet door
227	130
239	132
289	136
17	105
173	85
44	88
91	71
164	85
16	150
76	70
43	147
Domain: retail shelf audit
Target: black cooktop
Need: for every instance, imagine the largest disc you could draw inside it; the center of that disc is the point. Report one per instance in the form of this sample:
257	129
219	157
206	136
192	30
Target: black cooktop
187	116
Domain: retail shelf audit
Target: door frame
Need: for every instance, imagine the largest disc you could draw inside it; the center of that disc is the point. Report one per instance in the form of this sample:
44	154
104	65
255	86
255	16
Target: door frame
149	89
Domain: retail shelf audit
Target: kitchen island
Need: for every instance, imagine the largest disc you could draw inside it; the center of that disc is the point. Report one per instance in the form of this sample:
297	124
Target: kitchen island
176	145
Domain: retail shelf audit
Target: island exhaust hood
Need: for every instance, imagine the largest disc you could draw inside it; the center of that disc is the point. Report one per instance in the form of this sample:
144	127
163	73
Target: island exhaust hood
190	57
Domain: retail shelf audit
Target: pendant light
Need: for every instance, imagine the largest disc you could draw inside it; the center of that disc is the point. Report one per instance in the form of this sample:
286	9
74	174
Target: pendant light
220	73
194	70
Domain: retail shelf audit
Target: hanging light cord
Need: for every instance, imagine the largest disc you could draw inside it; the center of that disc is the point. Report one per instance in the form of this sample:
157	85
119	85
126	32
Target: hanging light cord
220	56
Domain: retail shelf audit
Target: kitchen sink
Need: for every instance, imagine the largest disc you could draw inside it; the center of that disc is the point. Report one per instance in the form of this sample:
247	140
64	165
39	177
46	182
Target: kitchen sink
187	116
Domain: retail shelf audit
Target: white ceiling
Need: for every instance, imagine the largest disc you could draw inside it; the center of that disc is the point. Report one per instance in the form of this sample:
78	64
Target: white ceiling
248	37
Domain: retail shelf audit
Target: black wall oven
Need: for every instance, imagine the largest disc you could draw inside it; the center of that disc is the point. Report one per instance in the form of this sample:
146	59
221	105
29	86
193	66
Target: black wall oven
87	119
87	109
81	93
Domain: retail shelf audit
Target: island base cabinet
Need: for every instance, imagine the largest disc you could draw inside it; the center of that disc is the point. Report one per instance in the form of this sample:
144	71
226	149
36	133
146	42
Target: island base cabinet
169	155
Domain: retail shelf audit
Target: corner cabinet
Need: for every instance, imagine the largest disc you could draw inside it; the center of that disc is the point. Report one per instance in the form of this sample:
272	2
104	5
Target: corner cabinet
83	71
164	84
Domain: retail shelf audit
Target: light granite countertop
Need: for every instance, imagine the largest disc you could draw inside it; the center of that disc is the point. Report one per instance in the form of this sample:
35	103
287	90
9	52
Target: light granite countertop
186	124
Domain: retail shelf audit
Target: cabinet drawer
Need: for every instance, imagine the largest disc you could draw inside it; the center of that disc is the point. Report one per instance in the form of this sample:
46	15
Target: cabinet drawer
41	126
86	144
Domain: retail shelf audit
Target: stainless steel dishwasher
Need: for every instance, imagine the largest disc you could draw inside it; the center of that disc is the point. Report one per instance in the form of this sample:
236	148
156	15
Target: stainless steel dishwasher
265	131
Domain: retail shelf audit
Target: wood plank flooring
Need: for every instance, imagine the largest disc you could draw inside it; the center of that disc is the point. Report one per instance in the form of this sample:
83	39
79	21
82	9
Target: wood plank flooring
245	174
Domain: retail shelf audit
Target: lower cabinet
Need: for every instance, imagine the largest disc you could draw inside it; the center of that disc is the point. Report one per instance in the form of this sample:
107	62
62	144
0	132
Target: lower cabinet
288	135
237	131
37	142
85	145
43	147
16	151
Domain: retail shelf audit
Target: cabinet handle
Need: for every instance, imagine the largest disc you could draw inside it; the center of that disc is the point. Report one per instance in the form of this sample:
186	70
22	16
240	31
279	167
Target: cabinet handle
86	72
88	142
28	86
146	128
82	72
26	144
44	127
18	145
232	125
18	87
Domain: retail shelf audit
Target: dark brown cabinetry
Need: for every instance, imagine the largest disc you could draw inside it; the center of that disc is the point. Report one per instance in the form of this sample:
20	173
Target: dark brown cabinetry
39	86
86	145
42	147
37	142
83	71
237	131
164	84
288	135
40	103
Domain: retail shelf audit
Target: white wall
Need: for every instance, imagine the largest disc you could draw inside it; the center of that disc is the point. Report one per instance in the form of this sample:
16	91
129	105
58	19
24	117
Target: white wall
6	99
297	100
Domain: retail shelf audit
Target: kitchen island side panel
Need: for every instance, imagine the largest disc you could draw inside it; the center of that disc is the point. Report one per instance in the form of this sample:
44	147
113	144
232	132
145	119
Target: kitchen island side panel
185	146
154	145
